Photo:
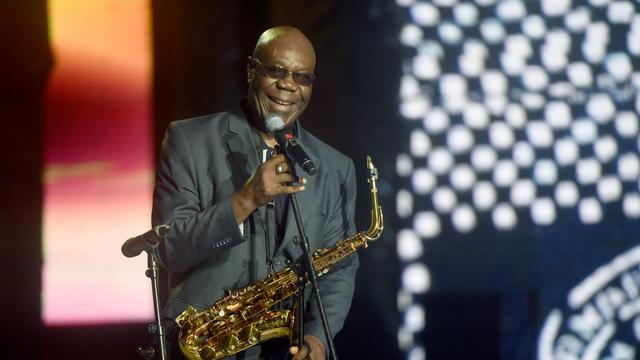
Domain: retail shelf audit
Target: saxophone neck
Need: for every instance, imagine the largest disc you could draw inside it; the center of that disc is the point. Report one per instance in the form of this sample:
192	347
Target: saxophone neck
377	223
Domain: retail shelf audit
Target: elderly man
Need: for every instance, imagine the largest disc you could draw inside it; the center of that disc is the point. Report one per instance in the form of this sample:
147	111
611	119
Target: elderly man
225	197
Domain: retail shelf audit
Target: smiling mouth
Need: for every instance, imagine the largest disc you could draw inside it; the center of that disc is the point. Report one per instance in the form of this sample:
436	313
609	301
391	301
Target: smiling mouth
281	102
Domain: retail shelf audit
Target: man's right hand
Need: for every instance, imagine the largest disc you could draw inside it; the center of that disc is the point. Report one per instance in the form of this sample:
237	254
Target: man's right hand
270	179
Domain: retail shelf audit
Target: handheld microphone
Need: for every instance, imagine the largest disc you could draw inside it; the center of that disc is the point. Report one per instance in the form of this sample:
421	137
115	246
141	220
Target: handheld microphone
145	242
289	143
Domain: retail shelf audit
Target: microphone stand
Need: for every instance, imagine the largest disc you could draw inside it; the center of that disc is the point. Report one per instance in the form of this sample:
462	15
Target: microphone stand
152	273
313	278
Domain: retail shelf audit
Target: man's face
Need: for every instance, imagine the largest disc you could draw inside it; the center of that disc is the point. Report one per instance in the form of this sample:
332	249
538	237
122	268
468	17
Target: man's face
285	96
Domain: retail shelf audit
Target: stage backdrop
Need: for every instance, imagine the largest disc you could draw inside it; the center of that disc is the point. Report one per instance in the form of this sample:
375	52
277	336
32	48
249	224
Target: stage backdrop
519	179
98	172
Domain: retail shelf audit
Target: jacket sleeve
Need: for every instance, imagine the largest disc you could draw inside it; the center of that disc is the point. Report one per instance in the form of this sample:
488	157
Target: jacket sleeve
337	287
195	232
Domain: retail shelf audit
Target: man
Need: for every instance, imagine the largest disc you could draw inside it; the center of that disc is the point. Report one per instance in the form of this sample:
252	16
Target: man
216	188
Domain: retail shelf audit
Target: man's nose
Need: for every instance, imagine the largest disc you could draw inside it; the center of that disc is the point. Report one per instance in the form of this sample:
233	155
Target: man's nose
288	82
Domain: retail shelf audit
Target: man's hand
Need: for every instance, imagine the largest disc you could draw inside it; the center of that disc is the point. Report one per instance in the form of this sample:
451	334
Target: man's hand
312	349
270	179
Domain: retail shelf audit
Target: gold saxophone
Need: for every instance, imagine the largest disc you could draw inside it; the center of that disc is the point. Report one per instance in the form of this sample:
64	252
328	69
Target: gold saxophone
242	318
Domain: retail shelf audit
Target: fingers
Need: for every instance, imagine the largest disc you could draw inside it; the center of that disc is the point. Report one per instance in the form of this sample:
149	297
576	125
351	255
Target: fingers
300	355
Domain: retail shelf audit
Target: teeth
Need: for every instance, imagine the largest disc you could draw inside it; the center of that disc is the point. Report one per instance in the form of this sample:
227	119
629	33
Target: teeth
282	102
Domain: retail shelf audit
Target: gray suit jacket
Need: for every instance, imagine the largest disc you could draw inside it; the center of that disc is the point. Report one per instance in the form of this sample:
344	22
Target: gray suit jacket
203	162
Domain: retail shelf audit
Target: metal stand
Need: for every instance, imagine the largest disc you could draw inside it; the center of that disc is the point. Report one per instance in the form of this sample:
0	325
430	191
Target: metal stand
313	278
148	242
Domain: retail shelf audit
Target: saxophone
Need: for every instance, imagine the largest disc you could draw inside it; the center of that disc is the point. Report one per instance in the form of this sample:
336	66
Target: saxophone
242	318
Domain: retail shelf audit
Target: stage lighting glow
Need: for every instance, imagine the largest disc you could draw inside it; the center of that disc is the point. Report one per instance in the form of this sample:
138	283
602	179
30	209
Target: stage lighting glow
555	7
404	203
539	134
523	192
584	131
588	171
609	189
599	3
483	157
409	245
534	27
579	73
404	2
417	353
605	148
504	217
459	139
578	19
423	181
566	151
411	35
492	31
501	136
496	104
494	83
452	85
511	10
553	60
485	2
449	33
589	210
626	124
628	167
601	108
419	143
470	65
436	121
512	64
566	194
535	78
426	224
484	195
465	14
523	154
409	87
505	173
515	116
414	318
532	101
558	114
543	211
462	177
444	200
416	278
593	52
545	172
414	108
404	165
440	160
426	66
620	12
463	218
619	66
518	45
445	3
425	14
631	205
475	116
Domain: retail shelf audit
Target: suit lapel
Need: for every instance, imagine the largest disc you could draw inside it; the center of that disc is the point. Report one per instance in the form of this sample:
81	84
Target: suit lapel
240	144
305	198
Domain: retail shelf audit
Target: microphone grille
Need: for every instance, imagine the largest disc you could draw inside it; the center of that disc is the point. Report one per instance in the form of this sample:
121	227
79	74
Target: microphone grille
274	122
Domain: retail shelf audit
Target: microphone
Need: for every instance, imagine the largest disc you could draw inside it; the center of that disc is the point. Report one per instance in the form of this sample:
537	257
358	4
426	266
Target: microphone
145	242
288	142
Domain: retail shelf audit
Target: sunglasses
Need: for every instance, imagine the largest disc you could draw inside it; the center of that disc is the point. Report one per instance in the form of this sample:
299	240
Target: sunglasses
301	78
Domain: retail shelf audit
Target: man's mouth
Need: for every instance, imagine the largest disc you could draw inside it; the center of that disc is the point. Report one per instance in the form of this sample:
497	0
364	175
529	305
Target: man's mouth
281	102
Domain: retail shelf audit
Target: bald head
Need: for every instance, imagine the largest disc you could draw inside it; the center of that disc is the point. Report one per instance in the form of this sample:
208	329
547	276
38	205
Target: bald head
283	34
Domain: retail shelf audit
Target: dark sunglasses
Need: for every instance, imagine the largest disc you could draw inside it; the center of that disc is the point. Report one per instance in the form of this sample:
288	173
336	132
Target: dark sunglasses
301	78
